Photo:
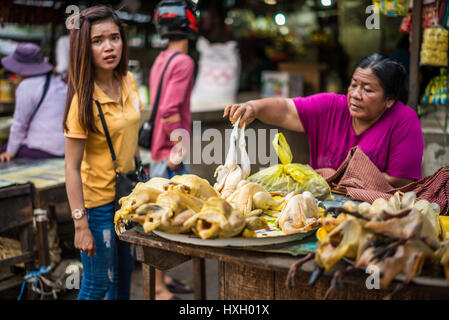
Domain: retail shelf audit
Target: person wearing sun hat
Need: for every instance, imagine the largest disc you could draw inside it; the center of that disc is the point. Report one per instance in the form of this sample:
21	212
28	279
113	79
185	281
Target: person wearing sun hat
36	131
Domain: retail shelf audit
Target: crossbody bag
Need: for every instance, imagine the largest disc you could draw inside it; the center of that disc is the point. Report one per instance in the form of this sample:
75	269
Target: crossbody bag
146	130
124	182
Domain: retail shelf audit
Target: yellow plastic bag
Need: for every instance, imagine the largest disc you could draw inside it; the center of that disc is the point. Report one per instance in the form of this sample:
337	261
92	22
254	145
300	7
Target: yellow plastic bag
282	149
288	177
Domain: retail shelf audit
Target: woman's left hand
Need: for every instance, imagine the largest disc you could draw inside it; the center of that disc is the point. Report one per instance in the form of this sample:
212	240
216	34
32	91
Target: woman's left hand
6	156
174	166
396	182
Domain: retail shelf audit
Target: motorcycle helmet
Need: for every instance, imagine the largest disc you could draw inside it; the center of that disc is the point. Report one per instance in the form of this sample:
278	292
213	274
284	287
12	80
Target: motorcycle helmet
176	19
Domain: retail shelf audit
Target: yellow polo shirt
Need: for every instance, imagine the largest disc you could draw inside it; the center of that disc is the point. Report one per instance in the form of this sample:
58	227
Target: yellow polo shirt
97	168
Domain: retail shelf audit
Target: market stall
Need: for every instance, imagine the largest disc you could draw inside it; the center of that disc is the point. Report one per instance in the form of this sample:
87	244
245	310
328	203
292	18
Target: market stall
264	228
245	274
47	181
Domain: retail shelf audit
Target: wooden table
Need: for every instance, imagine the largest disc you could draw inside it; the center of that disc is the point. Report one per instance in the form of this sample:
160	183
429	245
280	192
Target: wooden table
47	180
245	274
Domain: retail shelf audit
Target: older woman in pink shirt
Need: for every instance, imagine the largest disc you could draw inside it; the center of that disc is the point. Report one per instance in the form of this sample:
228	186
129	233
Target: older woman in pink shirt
36	131
372	115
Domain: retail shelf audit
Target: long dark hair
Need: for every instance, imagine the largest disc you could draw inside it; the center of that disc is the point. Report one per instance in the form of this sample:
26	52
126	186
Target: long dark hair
81	73
391	74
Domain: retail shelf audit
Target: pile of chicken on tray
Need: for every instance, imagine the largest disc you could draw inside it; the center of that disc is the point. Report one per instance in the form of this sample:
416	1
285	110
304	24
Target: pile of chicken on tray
398	235
232	207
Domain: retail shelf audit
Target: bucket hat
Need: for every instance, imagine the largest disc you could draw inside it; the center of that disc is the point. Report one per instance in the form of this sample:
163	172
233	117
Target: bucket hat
27	60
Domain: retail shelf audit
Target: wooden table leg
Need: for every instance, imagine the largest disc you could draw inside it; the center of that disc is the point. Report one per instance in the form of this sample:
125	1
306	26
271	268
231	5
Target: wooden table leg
199	278
149	282
41	218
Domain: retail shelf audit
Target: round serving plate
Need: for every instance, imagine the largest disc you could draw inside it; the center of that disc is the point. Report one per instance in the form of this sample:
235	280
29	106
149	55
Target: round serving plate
233	242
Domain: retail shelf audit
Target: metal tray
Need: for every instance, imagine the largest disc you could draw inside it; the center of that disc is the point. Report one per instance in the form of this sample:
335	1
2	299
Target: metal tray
233	242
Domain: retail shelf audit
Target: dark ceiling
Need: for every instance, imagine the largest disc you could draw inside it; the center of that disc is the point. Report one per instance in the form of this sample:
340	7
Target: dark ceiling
18	11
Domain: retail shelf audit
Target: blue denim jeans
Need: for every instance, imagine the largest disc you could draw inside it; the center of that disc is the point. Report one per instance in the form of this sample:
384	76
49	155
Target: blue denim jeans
108	272
161	169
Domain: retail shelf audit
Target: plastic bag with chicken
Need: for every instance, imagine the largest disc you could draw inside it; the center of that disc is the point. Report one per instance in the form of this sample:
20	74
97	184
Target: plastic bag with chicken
230	174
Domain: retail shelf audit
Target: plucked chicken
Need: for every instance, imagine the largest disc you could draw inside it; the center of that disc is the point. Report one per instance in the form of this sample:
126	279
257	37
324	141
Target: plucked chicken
396	235
217	219
348	239
143	193
299	214
396	258
171	210
230	174
442	255
251	198
253	224
196	186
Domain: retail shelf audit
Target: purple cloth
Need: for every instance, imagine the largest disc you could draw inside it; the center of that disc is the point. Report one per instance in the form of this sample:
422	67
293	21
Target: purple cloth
27	153
45	131
394	143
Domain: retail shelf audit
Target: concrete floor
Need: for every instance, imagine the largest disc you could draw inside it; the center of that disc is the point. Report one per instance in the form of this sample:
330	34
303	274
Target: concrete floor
182	272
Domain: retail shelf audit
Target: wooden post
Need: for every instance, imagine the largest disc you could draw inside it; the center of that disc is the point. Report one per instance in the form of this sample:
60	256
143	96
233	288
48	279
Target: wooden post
413	94
199	278
149	282
41	220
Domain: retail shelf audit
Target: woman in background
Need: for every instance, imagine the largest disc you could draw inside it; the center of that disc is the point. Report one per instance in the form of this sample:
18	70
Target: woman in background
40	98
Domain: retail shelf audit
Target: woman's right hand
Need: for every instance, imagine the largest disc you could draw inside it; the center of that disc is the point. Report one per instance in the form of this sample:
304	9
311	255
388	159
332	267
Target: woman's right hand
246	110
84	240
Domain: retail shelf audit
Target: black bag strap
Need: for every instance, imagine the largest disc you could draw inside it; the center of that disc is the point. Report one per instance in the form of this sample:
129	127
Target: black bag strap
153	114
138	163
108	137
156	101
46	85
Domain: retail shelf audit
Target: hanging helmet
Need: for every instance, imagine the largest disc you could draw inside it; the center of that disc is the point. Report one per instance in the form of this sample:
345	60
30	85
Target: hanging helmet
176	19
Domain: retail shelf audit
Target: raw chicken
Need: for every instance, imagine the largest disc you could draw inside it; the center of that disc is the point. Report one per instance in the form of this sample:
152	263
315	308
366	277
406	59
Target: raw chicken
442	255
406	259
217	219
197	187
397	236
230	174
410	225
432	212
299	214
157	183
251	198
347	240
253	224
142	193
171	210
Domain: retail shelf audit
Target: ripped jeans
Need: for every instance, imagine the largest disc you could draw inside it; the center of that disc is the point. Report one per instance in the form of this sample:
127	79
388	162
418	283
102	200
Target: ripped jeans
108	272
161	169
